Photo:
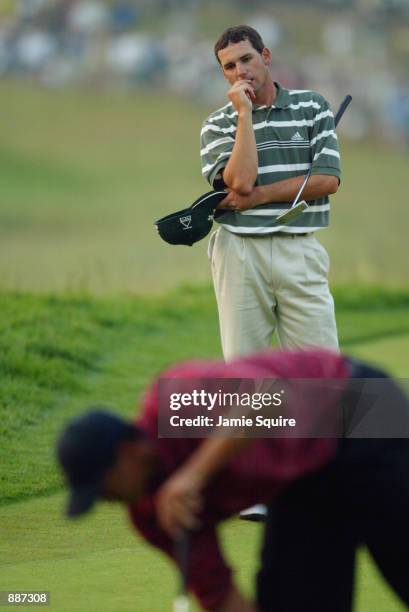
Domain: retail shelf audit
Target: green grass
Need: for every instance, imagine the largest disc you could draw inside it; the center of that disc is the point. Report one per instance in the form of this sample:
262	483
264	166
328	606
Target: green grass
100	563
85	174
60	353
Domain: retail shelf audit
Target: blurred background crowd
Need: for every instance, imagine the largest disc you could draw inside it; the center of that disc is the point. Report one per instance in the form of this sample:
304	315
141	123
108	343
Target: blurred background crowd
334	46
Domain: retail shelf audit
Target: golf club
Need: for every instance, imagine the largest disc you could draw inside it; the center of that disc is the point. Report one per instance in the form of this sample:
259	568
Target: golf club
182	550
298	207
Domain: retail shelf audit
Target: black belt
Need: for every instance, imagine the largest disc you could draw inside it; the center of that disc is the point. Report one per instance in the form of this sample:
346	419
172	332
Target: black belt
287	234
292	234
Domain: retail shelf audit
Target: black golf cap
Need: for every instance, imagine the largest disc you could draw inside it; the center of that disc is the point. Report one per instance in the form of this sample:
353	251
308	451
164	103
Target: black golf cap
191	224
86	449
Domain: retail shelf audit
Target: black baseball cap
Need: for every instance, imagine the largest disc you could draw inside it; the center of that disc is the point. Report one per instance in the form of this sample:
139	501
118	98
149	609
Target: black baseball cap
191	224
86	449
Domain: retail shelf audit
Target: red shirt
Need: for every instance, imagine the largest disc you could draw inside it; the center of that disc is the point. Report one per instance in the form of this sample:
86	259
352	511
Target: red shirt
257	475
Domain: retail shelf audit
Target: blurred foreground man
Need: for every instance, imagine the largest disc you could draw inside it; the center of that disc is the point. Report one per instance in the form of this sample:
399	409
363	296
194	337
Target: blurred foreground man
330	496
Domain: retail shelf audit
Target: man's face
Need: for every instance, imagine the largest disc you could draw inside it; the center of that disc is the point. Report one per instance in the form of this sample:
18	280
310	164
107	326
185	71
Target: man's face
240	61
127	479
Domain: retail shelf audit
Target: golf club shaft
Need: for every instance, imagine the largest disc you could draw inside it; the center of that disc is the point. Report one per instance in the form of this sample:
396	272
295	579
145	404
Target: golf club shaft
337	118
342	109
182	554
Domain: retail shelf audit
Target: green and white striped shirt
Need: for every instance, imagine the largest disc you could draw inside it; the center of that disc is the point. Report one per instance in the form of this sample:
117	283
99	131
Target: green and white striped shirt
296	131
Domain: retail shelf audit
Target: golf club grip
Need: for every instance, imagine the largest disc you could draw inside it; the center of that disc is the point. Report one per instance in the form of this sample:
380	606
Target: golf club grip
342	109
182	553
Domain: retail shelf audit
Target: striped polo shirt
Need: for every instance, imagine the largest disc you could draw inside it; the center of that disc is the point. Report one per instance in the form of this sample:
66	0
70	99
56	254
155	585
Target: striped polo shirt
292	134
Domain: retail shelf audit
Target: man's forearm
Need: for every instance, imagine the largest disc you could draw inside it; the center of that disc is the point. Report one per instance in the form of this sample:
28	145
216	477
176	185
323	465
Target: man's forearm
318	186
240	174
212	455
179	498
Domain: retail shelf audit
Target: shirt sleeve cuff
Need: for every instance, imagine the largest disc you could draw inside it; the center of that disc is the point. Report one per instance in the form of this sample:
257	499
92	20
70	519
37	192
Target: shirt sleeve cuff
331	171
214	174
215	599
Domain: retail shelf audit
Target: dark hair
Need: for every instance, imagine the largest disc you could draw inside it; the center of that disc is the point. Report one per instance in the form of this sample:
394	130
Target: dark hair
237	34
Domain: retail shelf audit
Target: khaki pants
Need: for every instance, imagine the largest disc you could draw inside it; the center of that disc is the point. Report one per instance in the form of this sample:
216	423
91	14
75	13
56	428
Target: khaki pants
270	283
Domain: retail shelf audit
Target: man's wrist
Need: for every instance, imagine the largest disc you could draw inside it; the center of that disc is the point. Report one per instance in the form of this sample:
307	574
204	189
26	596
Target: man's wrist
196	474
235	602
260	195
245	113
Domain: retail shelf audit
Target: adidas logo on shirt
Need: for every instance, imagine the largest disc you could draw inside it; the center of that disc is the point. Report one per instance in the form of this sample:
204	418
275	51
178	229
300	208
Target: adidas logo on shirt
297	137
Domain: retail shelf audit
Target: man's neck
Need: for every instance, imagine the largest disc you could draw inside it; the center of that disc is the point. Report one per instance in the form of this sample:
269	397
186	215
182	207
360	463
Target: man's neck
267	95
154	471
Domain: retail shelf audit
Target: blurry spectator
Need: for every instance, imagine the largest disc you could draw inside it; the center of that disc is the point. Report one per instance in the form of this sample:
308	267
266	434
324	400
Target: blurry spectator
191	74
135	55
34	49
62	41
339	38
396	112
88	17
124	15
5	51
269	28
27	9
59	73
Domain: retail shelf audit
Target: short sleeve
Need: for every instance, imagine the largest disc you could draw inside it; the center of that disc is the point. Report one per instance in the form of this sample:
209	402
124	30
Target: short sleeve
216	145
324	142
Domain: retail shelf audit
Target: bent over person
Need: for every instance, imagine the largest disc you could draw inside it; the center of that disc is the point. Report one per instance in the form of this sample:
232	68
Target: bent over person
330	496
260	145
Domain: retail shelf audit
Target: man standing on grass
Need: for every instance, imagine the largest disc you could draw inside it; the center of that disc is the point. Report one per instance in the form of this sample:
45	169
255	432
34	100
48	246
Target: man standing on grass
260	146
330	496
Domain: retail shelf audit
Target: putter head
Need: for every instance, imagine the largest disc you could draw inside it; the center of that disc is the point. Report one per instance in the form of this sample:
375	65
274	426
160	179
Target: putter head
292	213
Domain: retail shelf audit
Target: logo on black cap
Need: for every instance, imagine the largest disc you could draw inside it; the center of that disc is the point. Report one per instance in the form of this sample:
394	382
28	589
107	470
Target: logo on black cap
197	218
186	222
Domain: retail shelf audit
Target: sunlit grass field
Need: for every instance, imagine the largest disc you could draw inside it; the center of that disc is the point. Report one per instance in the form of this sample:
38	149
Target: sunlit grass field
59	354
85	174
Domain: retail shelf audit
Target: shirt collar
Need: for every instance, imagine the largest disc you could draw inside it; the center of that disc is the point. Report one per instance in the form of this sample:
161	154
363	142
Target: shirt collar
282	98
